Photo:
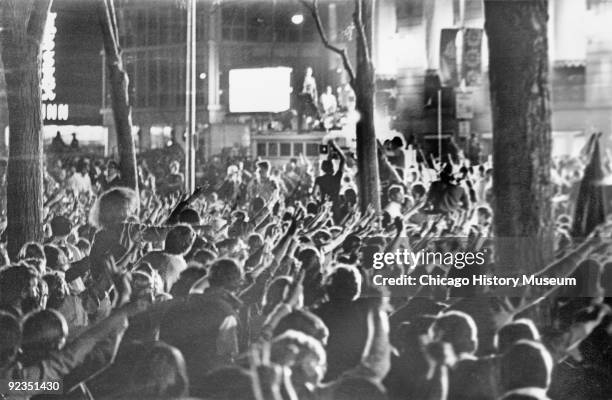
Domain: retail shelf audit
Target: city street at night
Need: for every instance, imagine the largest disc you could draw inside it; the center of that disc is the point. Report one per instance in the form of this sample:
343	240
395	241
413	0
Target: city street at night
306	199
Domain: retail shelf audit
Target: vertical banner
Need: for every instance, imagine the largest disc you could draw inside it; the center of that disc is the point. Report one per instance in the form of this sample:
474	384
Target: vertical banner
472	56
464	108
449	74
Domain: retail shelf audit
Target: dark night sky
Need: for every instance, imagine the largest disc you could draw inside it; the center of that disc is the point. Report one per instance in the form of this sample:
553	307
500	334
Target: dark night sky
77	60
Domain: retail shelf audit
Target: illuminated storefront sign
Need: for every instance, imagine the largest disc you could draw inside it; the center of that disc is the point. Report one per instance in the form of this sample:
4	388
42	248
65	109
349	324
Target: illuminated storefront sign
51	111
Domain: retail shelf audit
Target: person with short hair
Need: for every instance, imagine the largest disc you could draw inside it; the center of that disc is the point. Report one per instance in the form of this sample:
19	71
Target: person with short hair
18	289
525	370
512	332
170	262
111	178
327	186
345	315
263	184
470	377
208	334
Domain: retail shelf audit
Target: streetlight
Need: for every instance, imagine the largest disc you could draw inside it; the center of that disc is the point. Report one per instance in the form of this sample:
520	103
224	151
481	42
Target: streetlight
297	19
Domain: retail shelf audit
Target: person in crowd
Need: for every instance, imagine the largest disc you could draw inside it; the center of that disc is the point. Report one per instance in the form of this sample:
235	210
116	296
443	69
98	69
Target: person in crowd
345	315
525	371
74	144
170	263
327	186
445	195
328	102
259	285
209	323
112	178
176	179
263	185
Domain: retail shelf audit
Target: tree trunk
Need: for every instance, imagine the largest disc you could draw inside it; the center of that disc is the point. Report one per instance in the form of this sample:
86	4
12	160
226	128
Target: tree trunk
520	102
119	83
367	148
23	24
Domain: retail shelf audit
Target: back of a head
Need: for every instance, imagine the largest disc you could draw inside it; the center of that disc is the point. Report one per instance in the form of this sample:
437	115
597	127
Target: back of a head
84	246
114	207
526	364
204	257
43	331
458	329
186	280
32	250
179	240
189	216
227	383
224	272
58	289
509	334
344	283
56	258
160	373
299	350
327	166
14	280
60	226
303	321
310	259
10	338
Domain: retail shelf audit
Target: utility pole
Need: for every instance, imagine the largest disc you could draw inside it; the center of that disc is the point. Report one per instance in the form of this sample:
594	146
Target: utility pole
190	98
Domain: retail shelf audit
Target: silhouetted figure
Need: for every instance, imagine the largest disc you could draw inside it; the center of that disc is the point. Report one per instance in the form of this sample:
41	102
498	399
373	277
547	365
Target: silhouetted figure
74	145
58	145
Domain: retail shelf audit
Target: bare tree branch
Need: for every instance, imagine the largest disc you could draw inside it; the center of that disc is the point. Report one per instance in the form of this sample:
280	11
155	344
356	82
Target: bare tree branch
362	40
313	7
115	26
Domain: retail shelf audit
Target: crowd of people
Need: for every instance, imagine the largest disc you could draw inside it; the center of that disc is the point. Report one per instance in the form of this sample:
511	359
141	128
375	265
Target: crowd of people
258	285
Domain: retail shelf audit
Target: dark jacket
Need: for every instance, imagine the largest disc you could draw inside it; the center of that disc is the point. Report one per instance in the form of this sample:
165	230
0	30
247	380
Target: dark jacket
193	325
348	333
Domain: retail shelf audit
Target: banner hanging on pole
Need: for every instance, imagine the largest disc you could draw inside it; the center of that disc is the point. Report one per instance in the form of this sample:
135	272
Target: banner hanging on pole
449	74
472	56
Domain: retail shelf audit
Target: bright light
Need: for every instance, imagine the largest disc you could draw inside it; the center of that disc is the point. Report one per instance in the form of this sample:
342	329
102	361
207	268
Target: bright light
50	111
203	75
259	89
297	19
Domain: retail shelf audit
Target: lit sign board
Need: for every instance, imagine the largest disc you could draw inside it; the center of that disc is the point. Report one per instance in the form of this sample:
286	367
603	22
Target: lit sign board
259	90
51	111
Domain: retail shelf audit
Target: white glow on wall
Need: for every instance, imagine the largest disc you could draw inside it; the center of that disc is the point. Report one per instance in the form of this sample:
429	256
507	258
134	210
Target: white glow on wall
259	89
50	111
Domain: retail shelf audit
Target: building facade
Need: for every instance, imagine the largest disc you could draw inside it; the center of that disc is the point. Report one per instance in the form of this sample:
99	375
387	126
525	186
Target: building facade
230	34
